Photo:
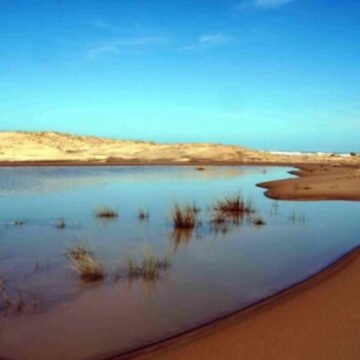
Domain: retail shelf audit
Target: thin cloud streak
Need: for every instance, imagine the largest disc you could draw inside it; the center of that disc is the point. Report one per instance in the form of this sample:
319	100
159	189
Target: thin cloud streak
271	4
104	25
263	4
209	40
127	44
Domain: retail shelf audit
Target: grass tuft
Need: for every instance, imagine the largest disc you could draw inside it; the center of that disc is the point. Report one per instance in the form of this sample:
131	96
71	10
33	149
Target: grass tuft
143	215
184	217
106	213
89	268
196	209
219	222
148	268
60	224
218	218
19	222
258	222
297	218
78	251
85	264
234	204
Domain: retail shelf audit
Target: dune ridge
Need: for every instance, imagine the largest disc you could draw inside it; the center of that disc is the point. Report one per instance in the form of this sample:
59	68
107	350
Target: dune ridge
49	146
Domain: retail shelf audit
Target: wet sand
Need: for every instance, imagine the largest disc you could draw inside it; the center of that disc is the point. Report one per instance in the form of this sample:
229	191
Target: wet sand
317	183
318	319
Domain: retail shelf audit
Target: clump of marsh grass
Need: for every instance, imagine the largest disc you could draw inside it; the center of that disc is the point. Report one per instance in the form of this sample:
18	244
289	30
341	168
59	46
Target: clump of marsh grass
143	215
230	210
218	218
147	268
89	268
297	218
78	251
60	224
85	263
196	208
219	222
19	222
234	204
258	221
106	212
184	216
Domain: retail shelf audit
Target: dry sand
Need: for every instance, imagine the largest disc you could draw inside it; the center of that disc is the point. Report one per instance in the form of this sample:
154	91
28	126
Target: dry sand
317	320
317	183
36	148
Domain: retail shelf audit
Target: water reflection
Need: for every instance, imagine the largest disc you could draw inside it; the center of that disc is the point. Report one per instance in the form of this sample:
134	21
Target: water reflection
53	179
181	237
185	279
274	207
297	218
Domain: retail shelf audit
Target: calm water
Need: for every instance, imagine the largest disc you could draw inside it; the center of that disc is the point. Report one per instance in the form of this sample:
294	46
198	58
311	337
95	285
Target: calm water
212	273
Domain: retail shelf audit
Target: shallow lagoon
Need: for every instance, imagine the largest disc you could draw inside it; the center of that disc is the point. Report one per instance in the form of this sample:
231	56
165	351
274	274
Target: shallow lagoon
211	274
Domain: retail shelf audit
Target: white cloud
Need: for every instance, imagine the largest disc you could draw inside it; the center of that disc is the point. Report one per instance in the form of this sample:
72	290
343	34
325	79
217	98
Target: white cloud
264	4
131	40
214	39
270	4
210	40
134	44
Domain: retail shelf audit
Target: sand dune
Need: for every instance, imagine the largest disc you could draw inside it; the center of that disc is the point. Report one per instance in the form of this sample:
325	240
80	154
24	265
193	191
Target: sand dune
45	147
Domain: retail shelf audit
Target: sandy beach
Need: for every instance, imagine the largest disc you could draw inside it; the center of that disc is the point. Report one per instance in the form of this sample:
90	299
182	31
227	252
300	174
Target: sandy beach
317	183
318	319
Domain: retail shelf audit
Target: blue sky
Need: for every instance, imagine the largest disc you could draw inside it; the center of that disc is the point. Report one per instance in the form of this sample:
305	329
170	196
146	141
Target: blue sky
271	74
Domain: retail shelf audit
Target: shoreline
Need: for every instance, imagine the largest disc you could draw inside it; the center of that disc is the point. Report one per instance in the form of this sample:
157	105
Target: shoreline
314	183
216	326
72	163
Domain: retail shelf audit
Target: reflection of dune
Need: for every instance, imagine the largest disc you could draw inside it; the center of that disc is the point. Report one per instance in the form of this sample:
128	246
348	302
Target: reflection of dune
41	180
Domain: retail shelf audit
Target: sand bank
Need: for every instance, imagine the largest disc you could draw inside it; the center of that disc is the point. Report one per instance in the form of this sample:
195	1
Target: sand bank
318	319
317	183
52	148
